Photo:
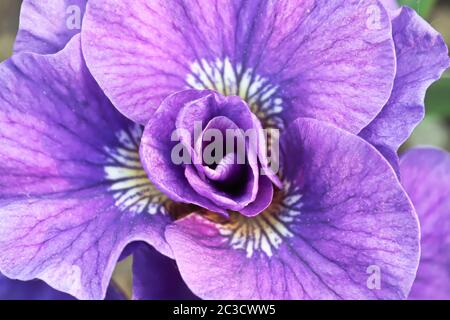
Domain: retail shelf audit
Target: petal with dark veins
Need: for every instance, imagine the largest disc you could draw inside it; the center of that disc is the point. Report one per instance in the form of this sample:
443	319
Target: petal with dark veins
73	192
342	228
426	177
329	60
46	26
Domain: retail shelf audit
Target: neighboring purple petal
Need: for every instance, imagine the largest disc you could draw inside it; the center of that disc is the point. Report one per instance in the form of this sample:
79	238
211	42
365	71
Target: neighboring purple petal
156	151
263	198
329	60
426	177
73	192
46	26
343	227
188	182
156	277
39	290
422	56
29	290
390	4
114	293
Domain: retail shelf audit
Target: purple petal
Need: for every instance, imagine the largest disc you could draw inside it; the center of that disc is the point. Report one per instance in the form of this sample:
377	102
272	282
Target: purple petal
187	183
422	57
390	4
156	277
156	151
426	177
329	60
39	290
342	223
29	290
73	192
46	26
263	199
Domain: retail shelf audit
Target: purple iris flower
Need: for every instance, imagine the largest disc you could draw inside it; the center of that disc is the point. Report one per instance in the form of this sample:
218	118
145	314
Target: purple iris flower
87	112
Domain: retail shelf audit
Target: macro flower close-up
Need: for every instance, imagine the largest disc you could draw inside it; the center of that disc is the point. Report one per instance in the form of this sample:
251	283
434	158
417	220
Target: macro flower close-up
223	150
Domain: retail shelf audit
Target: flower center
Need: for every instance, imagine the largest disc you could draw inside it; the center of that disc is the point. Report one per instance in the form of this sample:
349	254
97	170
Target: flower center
265	232
130	186
223	76
133	192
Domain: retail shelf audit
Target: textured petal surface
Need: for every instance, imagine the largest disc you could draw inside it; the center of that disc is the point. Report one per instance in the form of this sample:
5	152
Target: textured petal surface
329	60
156	151
390	4
422	57
426	177
342	228
73	192
176	123
39	290
156	277
46	26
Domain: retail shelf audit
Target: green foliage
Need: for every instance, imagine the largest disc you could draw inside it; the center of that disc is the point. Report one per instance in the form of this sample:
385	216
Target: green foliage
423	7
438	98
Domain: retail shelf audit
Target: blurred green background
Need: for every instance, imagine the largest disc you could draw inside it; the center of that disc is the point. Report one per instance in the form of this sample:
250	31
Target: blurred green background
434	130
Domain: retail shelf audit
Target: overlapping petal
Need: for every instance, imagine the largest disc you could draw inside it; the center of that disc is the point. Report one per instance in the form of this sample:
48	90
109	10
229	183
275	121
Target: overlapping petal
46	26
242	187
29	290
390	4
341	228
73	191
315	58
39	290
426	177
156	277
422	57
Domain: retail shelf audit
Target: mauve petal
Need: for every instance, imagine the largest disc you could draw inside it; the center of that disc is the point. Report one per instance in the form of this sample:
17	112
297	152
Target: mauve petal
263	198
422	57
156	149
262	148
208	191
185	182
29	290
426	177
244	173
329	60
228	167
213	105
46	26
156	277
39	290
390	4
73	192
344	215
